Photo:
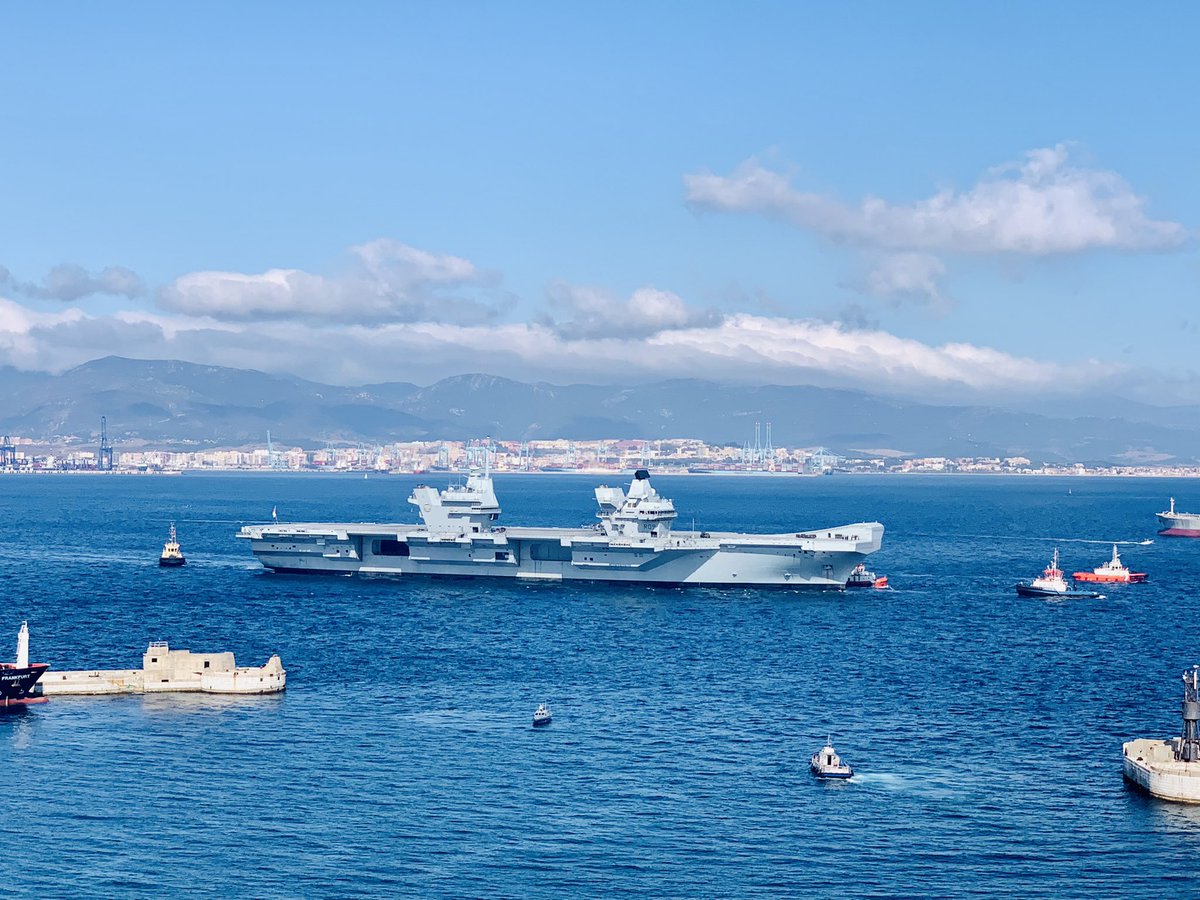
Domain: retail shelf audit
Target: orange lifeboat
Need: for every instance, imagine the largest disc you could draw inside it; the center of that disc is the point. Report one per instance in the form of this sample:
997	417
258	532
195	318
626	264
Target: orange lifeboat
1111	572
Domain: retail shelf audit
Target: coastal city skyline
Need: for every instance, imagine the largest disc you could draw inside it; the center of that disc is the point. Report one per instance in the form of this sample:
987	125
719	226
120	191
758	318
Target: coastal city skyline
565	205
672	456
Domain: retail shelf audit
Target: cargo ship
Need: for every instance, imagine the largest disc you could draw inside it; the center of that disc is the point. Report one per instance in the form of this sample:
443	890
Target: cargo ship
1179	524
19	679
632	542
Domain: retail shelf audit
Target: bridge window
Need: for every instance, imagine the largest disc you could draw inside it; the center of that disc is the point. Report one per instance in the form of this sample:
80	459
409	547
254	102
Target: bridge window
389	547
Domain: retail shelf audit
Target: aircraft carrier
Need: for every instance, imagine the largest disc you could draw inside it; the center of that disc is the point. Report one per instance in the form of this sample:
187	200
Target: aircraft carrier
632	541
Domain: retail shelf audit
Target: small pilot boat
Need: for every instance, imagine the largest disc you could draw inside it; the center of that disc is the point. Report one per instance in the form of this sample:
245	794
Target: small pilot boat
825	763
861	577
172	556
1052	583
541	715
1111	572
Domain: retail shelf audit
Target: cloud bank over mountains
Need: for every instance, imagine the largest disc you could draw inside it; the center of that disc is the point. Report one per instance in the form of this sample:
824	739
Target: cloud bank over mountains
398	312
738	348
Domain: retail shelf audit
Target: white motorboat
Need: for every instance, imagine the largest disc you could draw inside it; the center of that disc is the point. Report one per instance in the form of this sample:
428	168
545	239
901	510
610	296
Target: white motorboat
825	763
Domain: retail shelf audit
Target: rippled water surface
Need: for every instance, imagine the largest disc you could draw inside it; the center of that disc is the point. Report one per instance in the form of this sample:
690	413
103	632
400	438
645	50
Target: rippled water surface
986	729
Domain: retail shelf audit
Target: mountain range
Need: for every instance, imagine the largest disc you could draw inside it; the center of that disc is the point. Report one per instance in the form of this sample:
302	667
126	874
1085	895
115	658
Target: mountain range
173	404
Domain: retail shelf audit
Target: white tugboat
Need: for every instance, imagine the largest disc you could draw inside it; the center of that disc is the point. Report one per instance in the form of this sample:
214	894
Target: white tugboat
825	763
172	556
632	541
1170	769
541	715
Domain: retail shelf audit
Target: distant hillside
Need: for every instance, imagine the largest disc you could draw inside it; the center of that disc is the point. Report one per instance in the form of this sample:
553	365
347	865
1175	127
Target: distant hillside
176	404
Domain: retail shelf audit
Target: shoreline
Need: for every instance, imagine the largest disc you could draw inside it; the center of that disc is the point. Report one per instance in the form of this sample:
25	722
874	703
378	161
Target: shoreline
663	472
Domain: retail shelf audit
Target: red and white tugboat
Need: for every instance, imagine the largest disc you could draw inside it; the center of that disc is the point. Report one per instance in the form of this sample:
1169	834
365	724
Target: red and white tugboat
1052	583
18	679
1111	572
860	577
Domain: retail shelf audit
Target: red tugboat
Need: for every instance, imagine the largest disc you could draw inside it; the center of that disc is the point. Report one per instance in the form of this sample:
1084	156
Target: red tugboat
18	680
1111	572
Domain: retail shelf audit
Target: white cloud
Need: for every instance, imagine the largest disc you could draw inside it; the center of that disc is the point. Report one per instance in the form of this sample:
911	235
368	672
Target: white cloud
387	282
583	312
907	276
69	282
1041	206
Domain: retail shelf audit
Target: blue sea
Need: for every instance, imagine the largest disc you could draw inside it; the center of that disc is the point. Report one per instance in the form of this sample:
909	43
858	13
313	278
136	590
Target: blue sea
985	729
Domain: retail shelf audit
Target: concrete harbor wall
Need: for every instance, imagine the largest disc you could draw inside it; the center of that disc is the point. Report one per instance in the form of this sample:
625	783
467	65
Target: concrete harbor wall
1151	764
165	670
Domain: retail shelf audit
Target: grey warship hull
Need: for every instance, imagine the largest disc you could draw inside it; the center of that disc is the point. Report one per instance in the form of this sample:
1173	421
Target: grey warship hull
632	543
810	559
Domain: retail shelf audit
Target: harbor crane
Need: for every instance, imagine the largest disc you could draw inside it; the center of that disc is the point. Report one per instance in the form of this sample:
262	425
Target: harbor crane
104	462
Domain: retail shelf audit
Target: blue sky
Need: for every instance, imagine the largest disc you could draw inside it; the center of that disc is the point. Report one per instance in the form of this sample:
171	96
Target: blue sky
620	193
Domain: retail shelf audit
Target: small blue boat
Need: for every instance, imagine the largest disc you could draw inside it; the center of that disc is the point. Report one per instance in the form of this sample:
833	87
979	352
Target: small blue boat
541	715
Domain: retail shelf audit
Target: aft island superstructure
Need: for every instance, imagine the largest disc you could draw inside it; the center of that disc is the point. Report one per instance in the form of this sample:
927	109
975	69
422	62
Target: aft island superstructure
633	541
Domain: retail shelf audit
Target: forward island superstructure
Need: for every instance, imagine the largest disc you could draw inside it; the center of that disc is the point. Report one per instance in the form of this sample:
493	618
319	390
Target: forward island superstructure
633	541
